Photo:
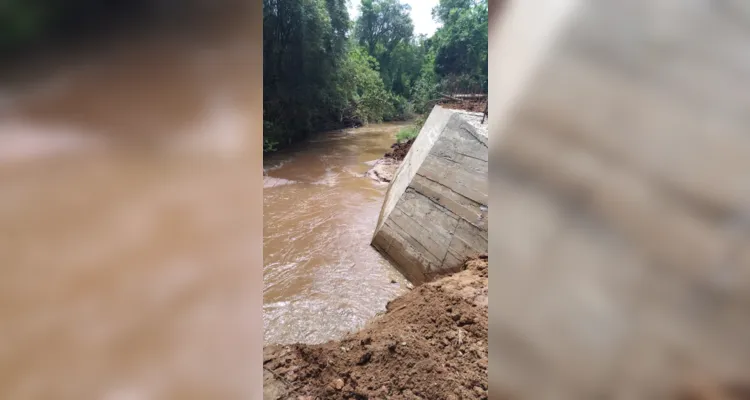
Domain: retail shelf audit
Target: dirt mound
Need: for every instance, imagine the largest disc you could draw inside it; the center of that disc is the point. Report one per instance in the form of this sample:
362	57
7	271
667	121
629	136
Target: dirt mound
430	344
399	150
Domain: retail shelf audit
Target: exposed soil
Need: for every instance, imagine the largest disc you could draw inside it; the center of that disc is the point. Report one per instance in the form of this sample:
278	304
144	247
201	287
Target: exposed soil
399	150
431	343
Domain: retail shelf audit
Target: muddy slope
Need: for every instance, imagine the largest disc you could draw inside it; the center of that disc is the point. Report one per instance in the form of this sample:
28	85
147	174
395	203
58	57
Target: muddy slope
431	344
399	150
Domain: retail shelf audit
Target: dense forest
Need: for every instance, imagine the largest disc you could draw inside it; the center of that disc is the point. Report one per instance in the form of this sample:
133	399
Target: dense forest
323	71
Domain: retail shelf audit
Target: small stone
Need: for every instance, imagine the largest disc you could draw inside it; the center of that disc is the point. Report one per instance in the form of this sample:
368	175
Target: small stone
393	281
478	390
337	384
365	358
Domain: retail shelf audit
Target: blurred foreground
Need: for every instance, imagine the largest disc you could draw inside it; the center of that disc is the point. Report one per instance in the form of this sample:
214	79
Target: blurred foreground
130	212
619	200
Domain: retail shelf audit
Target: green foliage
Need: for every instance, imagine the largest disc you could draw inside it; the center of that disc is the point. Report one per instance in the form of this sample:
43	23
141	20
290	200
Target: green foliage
400	109
419	121
407	133
359	82
304	47
269	145
320	74
425	90
20	21
270	133
384	23
461	43
386	30
412	131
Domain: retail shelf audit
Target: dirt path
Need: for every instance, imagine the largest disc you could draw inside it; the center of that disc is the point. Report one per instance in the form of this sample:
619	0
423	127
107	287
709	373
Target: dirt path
431	343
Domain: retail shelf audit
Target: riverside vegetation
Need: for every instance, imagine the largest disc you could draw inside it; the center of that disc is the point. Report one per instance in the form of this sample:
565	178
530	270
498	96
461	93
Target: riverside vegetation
324	71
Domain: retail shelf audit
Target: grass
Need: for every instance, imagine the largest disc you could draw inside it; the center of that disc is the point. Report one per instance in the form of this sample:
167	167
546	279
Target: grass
407	133
410	132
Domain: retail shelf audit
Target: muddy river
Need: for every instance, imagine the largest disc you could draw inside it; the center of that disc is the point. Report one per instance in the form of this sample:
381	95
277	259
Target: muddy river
321	277
130	209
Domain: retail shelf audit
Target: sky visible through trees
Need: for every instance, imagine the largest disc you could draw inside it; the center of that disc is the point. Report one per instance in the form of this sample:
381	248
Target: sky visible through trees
421	15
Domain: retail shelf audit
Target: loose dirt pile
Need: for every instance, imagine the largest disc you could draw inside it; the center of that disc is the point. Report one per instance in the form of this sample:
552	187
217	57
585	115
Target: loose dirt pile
430	344
399	150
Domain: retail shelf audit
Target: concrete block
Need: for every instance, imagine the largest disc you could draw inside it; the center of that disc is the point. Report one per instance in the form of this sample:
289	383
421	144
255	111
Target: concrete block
435	211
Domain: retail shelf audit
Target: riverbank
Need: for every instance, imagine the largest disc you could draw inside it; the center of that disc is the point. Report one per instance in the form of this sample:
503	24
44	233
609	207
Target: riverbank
384	169
431	343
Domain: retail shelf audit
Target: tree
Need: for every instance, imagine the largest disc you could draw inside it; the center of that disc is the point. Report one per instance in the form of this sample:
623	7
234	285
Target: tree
383	27
425	88
361	84
383	22
318	77
461	43
304	46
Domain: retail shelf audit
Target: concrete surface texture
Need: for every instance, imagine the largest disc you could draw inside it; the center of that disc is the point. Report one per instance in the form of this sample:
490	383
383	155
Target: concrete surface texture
620	198
435	211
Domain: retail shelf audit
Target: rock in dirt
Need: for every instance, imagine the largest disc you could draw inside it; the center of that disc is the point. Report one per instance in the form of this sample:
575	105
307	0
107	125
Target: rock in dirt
365	358
337	384
414	350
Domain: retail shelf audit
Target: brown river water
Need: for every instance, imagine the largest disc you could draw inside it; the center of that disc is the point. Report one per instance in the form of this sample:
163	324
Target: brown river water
321	276
130	233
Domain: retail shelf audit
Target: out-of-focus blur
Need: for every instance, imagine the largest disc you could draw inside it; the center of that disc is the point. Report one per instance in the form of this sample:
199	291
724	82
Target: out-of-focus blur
130	200
620	191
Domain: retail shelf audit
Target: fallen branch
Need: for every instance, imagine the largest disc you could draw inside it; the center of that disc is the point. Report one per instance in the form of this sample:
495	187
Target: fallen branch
449	97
